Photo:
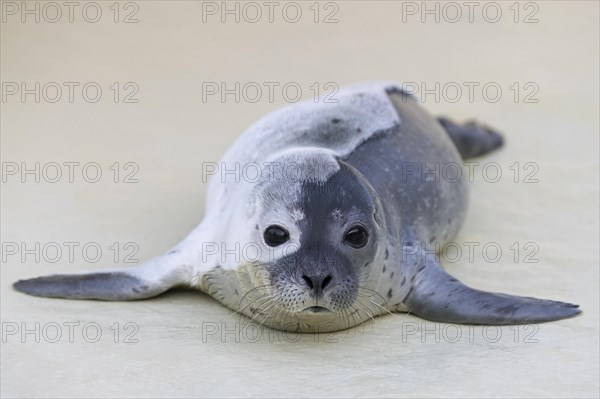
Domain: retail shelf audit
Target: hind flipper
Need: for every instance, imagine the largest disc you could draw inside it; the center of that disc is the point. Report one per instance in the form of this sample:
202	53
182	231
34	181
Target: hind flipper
471	138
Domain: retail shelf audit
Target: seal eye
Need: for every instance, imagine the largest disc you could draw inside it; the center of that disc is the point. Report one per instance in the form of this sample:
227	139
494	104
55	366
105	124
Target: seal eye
276	235
357	236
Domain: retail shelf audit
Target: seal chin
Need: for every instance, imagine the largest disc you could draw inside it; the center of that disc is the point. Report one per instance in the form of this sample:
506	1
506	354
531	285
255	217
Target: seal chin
316	309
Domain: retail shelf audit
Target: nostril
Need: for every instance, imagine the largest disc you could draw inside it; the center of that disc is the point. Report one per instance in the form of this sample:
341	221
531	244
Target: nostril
316	283
308	281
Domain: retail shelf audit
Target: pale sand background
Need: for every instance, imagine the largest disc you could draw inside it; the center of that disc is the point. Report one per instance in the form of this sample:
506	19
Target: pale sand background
170	132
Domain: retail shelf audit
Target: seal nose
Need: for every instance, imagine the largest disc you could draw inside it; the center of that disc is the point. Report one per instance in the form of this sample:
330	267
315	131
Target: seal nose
317	283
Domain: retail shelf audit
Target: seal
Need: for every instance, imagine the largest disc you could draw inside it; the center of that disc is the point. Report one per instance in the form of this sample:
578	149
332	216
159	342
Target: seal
336	220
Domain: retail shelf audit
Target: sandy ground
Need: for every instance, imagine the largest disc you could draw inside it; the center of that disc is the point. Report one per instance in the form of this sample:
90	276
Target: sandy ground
542	212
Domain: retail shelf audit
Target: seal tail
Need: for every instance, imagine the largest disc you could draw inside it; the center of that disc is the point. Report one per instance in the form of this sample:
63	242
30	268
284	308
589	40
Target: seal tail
472	139
437	296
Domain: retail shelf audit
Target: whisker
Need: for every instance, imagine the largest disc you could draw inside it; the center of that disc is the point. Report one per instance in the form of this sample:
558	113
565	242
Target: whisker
365	307
268	317
376	304
251	291
250	303
260	312
275	318
239	311
360	318
383	300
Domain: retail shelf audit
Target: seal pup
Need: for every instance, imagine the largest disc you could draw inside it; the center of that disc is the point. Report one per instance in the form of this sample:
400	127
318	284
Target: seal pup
339	224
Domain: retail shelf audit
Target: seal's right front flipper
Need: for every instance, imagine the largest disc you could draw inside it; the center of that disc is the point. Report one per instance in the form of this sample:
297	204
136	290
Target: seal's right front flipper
182	266
147	280
437	296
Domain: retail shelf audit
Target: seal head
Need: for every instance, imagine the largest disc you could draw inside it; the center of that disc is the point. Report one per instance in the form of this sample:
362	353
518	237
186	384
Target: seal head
320	229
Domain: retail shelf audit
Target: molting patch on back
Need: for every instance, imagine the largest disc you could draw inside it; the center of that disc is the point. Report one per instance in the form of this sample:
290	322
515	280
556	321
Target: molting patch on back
356	113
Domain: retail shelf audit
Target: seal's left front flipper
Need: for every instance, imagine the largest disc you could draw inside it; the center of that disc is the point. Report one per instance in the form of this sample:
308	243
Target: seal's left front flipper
437	296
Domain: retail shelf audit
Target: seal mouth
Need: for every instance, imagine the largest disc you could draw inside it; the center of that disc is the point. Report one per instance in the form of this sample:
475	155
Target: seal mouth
316	309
